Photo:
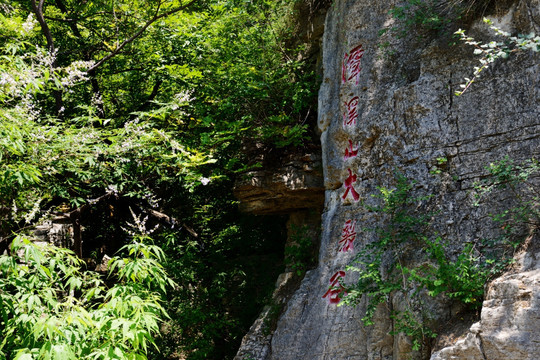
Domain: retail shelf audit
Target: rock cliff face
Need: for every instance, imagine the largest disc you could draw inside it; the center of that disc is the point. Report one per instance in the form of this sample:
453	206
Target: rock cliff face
293	186
382	113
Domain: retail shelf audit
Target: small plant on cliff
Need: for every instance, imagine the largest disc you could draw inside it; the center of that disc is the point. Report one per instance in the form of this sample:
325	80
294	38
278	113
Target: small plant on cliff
522	220
425	18
495	50
381	264
408	260
423	15
299	254
422	19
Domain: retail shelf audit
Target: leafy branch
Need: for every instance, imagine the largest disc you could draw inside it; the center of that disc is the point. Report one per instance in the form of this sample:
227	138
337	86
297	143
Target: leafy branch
495	50
53	309
139	32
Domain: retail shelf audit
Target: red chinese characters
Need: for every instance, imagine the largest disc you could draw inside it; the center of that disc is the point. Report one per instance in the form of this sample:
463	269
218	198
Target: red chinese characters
336	291
348	235
349	181
350	152
351	112
351	65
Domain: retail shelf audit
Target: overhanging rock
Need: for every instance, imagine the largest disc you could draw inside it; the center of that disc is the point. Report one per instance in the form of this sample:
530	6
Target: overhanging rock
295	185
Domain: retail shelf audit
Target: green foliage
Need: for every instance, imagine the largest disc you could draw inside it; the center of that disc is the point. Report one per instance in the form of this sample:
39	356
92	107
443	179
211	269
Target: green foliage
45	158
53	309
379	274
462	279
435	17
159	123
407	323
495	50
441	163
193	99
523	218
248	75
225	278
423	15
385	267
424	19
299	254
272	317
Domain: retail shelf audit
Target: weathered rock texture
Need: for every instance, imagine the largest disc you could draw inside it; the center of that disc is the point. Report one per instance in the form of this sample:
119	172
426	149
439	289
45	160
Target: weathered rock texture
293	188
295	184
58	233
408	118
510	319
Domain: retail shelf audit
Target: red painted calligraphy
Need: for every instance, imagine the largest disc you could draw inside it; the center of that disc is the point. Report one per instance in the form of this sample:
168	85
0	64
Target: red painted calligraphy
350	152
349	186
351	112
336	290
351	65
348	235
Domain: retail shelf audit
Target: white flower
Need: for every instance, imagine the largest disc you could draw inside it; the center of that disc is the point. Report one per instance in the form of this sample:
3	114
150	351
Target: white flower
204	180
29	24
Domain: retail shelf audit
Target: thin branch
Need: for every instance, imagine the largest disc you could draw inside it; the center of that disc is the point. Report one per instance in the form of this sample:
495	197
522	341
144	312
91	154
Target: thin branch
38	10
79	18
58	19
139	32
152	96
121	71
72	24
170	220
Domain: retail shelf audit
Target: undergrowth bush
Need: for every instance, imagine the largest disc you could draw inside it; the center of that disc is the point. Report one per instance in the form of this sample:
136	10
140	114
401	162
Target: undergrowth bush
299	253
408	259
52	308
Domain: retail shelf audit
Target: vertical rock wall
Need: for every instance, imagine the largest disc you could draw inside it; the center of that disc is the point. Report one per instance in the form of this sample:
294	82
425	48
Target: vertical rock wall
381	113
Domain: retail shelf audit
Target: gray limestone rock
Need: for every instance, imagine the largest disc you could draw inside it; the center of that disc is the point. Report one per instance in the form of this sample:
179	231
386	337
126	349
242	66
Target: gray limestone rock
57	233
295	185
403	117
510	318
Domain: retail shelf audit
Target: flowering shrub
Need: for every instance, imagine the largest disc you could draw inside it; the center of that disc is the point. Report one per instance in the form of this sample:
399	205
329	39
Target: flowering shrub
50	308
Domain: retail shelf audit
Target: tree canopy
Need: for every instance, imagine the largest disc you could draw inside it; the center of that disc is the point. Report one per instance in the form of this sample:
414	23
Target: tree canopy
150	107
